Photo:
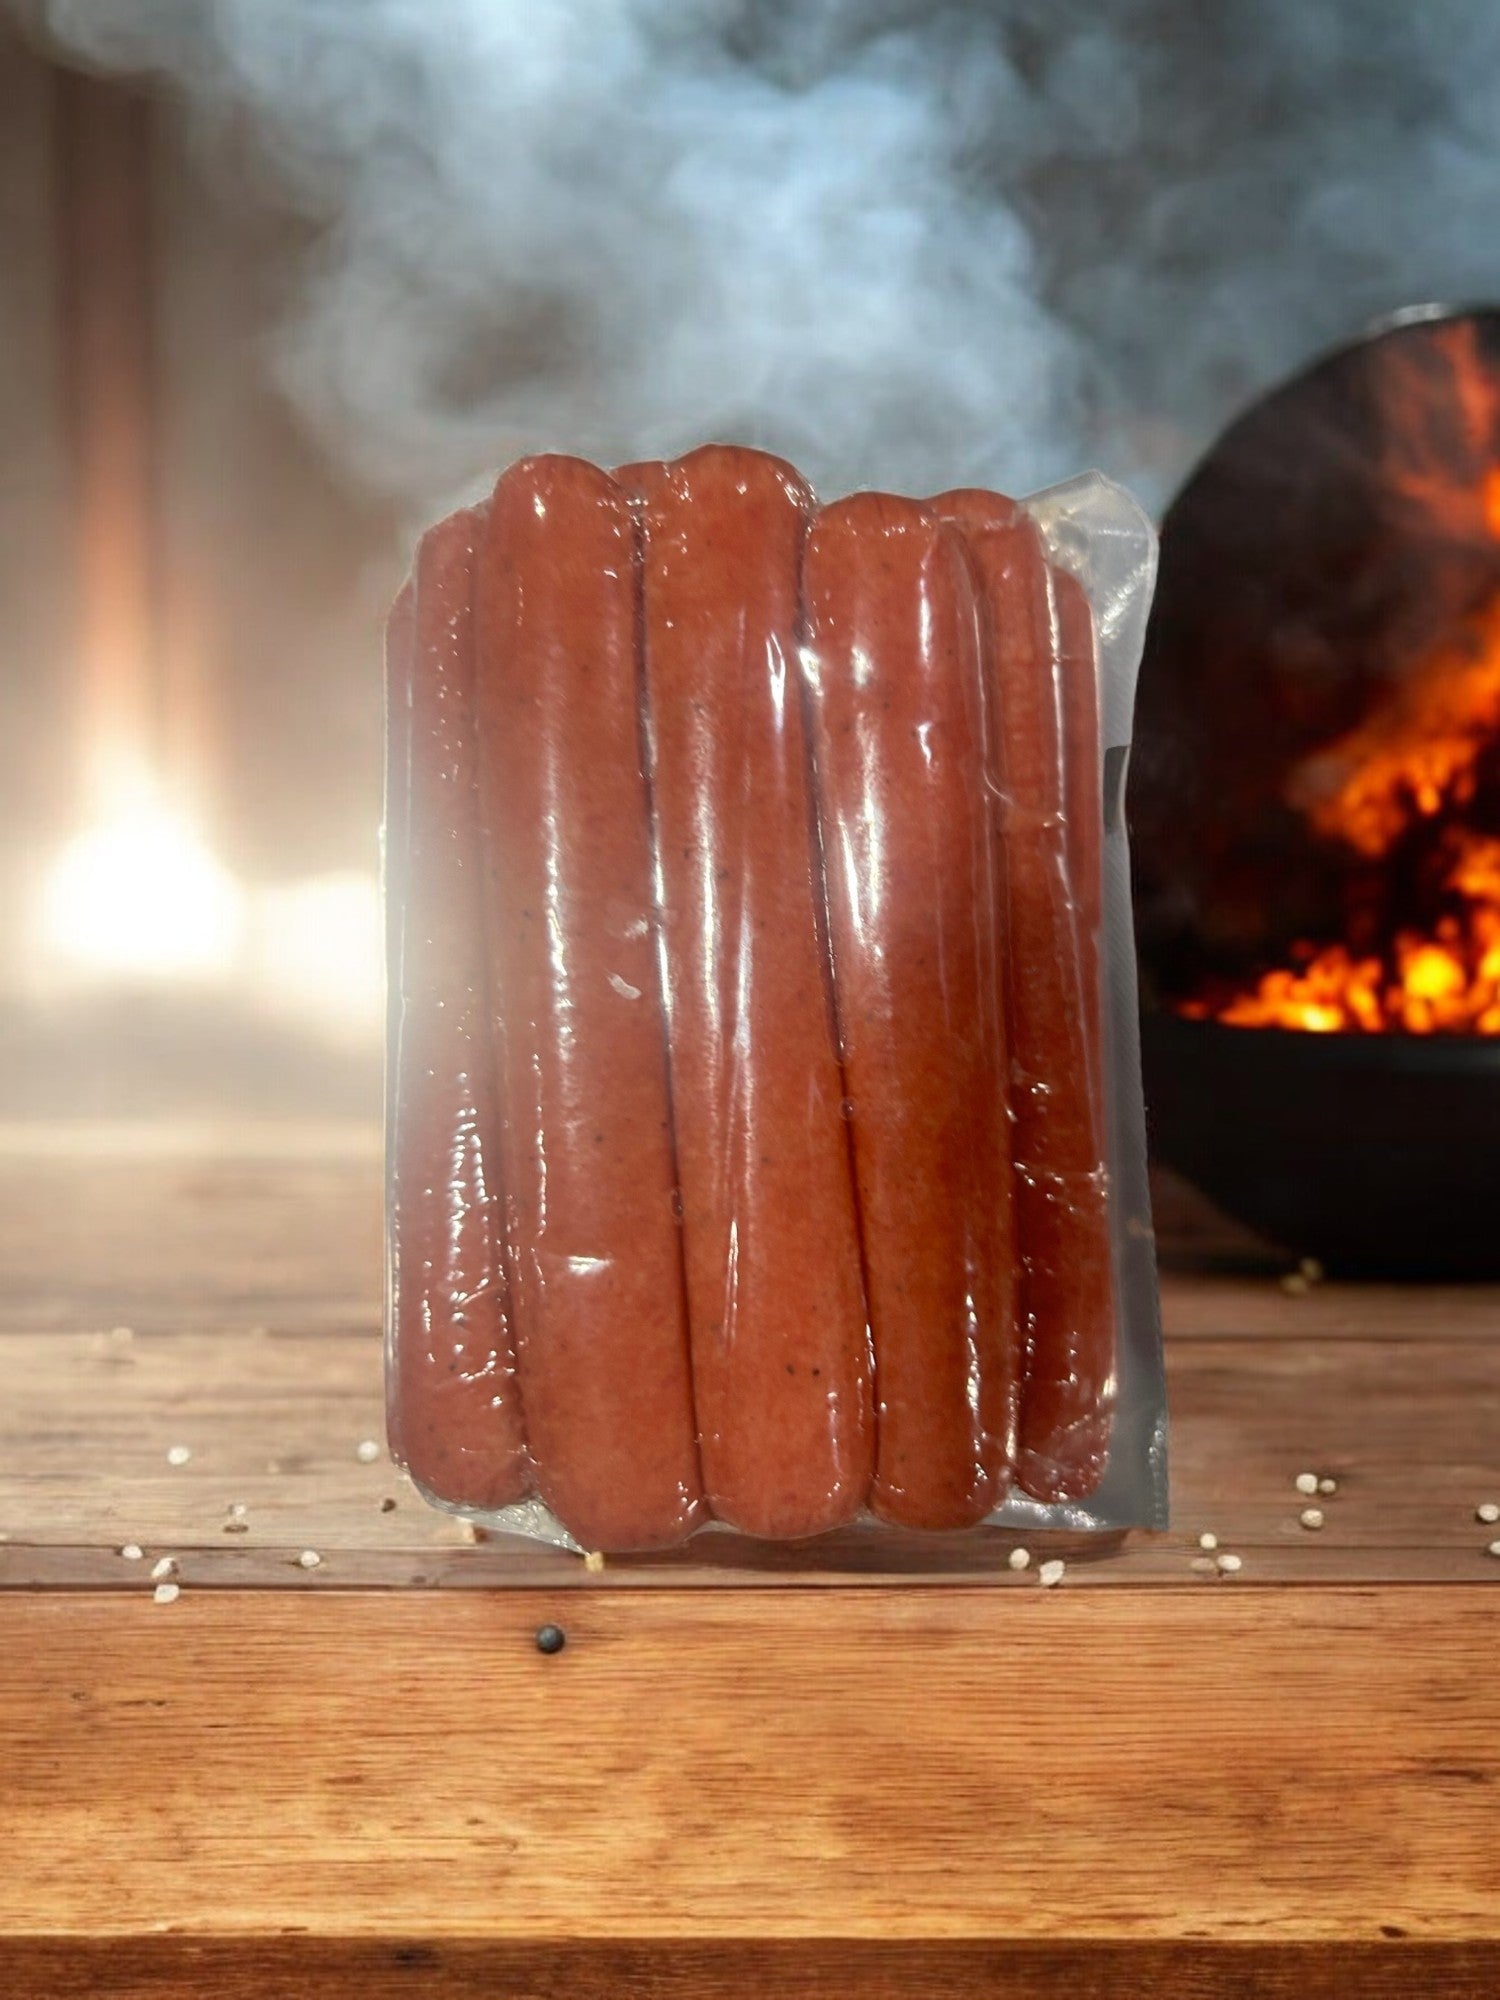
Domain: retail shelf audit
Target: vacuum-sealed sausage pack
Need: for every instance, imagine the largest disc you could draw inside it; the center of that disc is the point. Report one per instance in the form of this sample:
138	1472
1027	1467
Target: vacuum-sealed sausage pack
765	1129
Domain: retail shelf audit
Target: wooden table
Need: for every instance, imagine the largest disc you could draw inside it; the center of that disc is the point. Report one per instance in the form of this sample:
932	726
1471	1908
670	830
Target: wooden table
858	1768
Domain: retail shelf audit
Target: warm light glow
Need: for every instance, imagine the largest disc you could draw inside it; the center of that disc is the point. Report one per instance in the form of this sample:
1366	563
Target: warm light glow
138	896
315	954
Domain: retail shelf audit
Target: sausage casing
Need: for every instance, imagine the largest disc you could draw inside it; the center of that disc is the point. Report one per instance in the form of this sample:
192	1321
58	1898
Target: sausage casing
1045	710
455	1415
892	661
781	1360
595	1241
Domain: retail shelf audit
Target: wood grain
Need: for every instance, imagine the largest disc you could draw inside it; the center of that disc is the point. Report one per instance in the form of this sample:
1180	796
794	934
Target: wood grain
1257	1307
175	1225
274	1417
290	1967
946	1765
878	1764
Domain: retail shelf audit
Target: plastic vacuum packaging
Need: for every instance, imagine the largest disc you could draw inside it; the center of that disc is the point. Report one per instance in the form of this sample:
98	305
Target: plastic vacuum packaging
765	1134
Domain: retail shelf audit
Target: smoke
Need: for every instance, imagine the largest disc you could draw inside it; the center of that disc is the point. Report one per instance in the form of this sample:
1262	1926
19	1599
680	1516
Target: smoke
905	244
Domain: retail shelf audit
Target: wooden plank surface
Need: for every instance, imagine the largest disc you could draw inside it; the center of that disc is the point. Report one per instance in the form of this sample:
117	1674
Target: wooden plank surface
182	1225
291	1966
364	1778
1139	1765
218	1288
274	1417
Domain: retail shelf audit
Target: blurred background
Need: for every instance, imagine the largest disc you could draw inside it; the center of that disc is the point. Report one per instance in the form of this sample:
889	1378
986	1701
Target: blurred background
281	280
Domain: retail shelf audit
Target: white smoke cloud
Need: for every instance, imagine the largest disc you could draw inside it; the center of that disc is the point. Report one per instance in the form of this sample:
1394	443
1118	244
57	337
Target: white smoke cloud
903	244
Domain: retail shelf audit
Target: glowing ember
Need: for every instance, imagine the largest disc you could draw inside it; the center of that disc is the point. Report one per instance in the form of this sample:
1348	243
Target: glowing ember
1411	795
1430	990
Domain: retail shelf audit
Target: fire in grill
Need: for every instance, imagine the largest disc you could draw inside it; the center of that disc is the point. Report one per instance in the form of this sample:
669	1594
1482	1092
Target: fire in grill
1331	606
1315	806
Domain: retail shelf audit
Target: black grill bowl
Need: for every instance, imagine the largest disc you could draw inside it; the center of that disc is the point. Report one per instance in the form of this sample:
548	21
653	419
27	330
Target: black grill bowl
1377	1154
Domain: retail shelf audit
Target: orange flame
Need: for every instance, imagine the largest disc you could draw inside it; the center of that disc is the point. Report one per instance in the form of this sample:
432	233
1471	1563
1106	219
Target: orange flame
1415	763
1415	758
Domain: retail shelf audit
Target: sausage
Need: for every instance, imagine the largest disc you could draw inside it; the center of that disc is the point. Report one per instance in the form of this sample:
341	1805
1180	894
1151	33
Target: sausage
1083	792
596	1251
455	1416
395	831
1068	1429
895	699
780	1347
1049	823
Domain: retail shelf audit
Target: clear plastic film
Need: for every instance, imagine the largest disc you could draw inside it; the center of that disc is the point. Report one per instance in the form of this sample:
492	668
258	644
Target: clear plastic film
765	1130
